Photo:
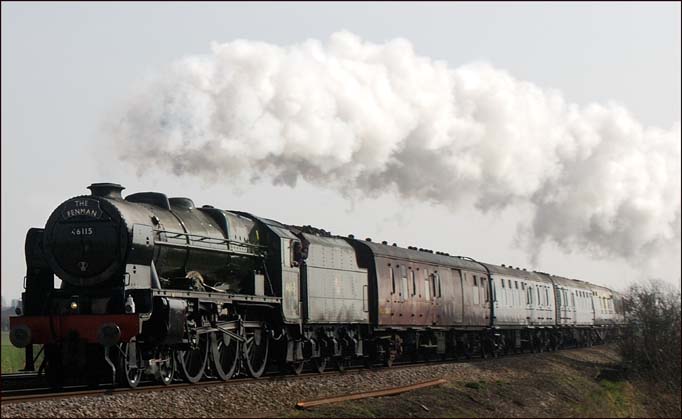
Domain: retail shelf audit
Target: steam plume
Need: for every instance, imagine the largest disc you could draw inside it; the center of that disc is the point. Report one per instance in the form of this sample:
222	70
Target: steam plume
366	118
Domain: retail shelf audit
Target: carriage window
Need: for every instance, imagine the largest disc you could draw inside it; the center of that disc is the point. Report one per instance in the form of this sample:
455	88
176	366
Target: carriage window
516	284
485	291
440	293
392	279
427	289
547	295
434	284
403	288
572	300
476	295
414	284
538	291
502	281
403	282
509	283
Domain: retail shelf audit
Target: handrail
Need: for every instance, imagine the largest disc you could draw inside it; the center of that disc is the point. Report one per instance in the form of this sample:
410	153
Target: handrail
210	240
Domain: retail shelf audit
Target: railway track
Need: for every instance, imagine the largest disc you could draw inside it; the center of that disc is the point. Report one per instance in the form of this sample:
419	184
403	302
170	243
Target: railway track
20	380
37	394
31	394
18	376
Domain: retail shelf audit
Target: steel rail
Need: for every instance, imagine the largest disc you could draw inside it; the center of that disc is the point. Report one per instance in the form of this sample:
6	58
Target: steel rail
77	390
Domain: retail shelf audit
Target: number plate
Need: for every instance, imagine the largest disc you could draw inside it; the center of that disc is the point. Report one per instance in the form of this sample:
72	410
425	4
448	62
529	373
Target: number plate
83	231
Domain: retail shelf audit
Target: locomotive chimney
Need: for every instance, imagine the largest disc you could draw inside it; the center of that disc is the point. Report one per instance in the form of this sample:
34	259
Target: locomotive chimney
106	190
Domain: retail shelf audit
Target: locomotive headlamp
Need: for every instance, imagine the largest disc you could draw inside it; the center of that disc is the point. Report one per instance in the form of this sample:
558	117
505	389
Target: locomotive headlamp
130	305
74	305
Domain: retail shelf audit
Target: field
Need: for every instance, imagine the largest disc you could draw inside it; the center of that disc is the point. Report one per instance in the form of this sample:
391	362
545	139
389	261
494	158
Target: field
572	383
13	358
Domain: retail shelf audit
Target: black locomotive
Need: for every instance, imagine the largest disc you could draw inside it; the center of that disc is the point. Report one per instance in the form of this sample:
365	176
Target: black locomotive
155	285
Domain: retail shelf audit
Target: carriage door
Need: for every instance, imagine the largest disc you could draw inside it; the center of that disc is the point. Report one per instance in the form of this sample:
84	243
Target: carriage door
458	308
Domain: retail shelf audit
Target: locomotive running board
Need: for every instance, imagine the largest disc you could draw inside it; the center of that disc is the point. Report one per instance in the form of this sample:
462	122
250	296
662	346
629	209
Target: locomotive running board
217	297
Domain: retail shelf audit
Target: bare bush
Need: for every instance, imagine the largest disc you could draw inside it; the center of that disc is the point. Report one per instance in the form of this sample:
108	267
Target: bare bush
651	342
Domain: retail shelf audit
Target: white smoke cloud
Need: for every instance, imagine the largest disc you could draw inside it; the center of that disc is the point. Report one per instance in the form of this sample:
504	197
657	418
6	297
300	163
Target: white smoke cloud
368	118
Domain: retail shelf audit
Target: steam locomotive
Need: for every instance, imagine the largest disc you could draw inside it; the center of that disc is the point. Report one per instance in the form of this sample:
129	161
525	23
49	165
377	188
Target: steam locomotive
155	286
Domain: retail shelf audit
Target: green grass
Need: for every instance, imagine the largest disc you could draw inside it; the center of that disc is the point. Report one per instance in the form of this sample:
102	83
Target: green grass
609	398
619	397
13	359
475	385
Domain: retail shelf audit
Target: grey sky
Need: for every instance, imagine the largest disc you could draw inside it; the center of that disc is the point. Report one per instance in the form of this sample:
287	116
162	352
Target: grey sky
65	66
